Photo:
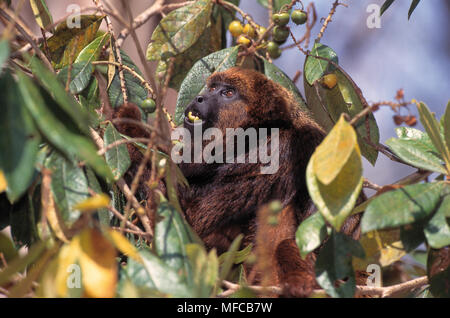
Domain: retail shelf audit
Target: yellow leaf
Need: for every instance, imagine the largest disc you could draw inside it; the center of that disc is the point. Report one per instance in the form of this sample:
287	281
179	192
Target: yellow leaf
381	247
67	257
99	201
111	66
336	200
41	13
98	265
3	183
54	218
124	245
334	152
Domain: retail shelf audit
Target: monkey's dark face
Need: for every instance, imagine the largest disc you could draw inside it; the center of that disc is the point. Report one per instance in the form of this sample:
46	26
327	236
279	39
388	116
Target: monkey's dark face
204	109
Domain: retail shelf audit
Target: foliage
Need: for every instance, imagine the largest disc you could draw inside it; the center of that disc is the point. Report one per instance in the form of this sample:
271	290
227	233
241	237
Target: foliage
62	162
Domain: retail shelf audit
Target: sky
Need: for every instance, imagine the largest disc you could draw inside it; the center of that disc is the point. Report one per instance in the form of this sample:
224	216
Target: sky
413	55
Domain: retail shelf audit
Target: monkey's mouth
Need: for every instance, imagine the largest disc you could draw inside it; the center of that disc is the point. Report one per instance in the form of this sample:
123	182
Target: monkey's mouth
193	118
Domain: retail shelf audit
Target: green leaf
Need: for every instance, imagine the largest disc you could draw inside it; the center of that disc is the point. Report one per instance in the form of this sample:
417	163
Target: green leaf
223	17
437	231
67	103
82	69
227	259
69	186
327	104
209	42
385	6
310	234
275	74
4	53
80	76
408	133
335	263
171	236
41	13
446	125
92	51
118	157
19	140
414	153
316	68
205	270
136	91
179	30
24	217
68	142
401	207
412	236
7	248
154	274
239	256
355	103
432	127
67	42
413	6
18	265
195	81
104	216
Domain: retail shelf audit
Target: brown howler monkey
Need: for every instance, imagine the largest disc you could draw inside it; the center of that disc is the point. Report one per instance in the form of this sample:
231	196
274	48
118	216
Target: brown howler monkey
224	198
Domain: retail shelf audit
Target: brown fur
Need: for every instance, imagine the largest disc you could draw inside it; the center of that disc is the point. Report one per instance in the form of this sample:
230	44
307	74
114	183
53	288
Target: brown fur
223	199
227	203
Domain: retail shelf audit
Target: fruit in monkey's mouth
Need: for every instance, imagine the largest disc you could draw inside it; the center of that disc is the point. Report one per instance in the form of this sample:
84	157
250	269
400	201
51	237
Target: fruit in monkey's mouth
192	118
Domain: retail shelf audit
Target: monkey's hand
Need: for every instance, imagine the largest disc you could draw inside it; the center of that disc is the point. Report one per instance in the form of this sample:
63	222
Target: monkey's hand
296	276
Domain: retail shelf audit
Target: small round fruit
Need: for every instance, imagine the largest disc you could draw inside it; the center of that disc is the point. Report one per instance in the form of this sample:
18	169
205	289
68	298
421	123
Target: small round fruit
281	19
244	41
299	17
192	118
149	105
330	80
273	50
280	34
235	28
261	31
249	31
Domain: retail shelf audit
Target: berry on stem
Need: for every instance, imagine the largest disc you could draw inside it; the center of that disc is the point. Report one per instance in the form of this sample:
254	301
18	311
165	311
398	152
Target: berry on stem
235	28
299	17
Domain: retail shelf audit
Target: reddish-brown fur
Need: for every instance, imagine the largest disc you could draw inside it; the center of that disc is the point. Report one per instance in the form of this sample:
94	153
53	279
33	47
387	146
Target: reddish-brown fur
223	199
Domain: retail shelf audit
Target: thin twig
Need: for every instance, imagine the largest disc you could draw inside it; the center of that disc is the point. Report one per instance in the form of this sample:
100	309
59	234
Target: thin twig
130	70
141	20
382	292
328	19
117	50
122	185
126	5
27	34
370	185
117	143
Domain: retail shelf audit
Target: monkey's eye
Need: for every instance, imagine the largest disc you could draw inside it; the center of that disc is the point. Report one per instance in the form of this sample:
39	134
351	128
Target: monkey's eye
213	87
229	92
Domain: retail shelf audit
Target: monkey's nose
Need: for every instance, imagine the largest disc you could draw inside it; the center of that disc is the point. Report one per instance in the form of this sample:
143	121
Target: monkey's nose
200	99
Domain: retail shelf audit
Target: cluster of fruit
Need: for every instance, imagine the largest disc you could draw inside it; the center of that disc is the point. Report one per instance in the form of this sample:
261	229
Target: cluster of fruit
280	33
